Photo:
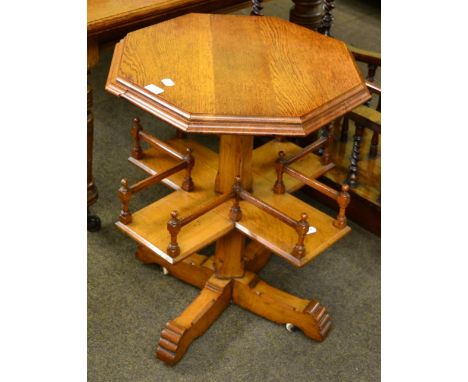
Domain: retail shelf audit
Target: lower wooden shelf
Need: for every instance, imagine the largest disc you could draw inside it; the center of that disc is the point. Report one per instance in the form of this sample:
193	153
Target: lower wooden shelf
149	224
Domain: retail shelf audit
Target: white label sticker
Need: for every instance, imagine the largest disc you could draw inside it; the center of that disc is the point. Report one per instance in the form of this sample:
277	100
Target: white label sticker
311	230
154	89
167	82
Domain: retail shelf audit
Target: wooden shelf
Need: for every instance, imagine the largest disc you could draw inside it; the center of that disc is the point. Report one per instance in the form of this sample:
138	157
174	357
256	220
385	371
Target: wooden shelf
281	238
149	224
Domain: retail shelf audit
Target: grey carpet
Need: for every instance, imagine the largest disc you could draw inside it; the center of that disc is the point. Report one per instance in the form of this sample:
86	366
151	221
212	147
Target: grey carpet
129	303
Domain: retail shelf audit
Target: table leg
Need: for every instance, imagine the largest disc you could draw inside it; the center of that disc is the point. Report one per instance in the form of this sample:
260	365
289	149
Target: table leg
94	223
307	13
194	321
260	298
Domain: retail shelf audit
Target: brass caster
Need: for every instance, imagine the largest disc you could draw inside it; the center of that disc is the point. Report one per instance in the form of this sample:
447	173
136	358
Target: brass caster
290	327
165	271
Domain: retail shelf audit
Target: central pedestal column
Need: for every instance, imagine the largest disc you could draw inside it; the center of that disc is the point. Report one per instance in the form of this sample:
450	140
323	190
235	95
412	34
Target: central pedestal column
235	159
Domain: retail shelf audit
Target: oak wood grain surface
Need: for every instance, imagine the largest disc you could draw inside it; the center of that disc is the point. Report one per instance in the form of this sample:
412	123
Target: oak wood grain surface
111	18
286	80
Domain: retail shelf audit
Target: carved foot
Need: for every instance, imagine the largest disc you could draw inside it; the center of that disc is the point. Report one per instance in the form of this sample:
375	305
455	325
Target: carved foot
194	321
257	296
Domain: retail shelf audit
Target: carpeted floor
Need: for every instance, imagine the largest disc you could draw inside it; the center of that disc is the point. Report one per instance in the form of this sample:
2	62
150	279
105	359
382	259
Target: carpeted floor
129	303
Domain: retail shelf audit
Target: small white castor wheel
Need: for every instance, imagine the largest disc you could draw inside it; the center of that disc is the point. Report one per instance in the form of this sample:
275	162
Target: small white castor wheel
165	271
290	327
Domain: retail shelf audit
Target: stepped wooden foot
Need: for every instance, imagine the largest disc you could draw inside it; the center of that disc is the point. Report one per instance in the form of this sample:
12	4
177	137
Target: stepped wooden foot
194	321
260	298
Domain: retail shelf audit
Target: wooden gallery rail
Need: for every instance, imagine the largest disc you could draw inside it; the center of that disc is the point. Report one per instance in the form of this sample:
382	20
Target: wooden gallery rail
175	224
187	162
283	166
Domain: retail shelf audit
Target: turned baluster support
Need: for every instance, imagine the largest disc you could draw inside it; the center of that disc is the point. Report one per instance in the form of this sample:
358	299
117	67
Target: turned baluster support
187	184
125	194
302	226
137	151
353	168
257	8
235	213
327	20
279	187
173	226
343	201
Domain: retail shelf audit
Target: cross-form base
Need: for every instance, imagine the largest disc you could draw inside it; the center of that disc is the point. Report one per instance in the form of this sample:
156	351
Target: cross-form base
249	292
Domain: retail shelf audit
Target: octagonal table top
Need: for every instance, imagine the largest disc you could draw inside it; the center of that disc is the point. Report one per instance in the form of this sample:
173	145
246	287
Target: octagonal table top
229	74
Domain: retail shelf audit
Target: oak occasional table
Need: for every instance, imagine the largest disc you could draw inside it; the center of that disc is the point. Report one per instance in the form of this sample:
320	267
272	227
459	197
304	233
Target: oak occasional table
236	77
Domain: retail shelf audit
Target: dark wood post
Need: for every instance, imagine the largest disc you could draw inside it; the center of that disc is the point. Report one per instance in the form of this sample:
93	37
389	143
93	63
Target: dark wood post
235	214
353	168
137	152
279	188
343	201
187	184
327	19
302	226
173	226
125	216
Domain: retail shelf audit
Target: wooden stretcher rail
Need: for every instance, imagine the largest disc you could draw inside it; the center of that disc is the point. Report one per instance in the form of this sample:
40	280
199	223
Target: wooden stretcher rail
156	143
154	179
315	184
267	208
342	198
301	226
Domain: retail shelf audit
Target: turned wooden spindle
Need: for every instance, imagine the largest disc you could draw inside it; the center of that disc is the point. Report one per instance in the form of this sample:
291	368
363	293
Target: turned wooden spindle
302	226
343	201
173	226
187	184
374	145
235	213
137	152
353	168
257	8
328	134
125	216
279	187
327	20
